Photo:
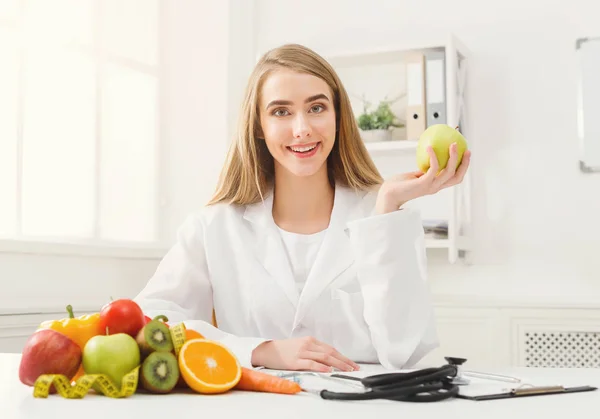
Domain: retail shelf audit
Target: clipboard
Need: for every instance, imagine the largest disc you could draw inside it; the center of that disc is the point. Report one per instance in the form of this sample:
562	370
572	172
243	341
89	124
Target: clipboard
527	392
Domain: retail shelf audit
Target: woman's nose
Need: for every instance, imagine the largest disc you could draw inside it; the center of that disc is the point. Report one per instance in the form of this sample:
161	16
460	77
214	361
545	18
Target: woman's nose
302	127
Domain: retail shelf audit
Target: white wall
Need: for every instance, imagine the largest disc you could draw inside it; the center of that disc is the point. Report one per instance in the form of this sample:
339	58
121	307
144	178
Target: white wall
48	283
196	54
532	206
208	52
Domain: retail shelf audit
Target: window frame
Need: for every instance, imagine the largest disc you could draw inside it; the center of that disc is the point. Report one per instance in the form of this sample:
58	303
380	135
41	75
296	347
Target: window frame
94	245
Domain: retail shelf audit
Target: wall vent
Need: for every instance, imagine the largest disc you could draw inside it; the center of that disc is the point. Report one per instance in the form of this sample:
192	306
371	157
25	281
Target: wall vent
552	349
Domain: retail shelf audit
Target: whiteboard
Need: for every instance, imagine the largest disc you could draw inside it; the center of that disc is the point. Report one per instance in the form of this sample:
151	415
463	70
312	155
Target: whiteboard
588	109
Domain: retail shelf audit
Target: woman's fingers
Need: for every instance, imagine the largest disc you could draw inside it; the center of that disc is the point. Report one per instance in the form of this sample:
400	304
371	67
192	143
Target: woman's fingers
412	175
464	165
326	359
450	175
312	365
461	171
448	172
321	353
434	167
332	351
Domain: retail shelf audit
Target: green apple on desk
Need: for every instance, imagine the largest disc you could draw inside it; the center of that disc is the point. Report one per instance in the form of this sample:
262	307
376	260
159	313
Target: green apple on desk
440	137
112	355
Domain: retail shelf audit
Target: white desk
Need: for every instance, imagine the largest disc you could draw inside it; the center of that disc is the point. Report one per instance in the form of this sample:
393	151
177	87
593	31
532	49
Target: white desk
17	402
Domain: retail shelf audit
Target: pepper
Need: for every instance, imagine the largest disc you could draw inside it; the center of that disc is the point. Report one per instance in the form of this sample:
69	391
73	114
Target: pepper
80	329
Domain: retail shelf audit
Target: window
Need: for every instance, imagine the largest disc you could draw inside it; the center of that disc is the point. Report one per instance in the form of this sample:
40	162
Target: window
79	120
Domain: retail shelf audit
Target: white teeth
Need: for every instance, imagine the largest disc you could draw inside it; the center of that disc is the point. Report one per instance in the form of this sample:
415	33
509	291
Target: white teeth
303	149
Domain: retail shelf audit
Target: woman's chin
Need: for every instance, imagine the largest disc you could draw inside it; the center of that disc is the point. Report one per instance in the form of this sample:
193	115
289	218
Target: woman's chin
305	170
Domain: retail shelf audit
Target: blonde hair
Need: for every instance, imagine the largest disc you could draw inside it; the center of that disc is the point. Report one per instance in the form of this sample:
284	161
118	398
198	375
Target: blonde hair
249	167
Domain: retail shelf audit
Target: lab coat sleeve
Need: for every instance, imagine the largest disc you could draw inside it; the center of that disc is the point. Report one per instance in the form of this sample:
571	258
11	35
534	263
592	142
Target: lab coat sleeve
391	264
181	290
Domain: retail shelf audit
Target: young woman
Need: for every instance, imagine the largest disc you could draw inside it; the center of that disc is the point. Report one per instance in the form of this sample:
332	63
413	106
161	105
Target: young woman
307	257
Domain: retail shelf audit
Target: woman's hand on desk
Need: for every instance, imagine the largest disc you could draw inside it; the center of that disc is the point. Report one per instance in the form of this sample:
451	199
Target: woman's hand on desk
305	353
402	188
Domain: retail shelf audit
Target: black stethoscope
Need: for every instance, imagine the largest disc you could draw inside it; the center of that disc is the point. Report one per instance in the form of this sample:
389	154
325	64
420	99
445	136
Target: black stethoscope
425	385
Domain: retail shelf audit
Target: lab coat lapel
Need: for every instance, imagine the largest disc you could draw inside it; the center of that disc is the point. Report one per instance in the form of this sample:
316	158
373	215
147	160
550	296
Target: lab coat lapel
334	257
269	248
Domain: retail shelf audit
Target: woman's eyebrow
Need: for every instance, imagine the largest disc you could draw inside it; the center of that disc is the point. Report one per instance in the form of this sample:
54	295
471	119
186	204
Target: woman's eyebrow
288	103
316	97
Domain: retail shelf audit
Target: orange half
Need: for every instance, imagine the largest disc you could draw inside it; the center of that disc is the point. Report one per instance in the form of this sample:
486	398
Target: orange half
192	334
208	367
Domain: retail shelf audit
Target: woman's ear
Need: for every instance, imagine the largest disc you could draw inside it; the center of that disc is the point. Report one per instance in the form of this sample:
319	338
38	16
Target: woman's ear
258	132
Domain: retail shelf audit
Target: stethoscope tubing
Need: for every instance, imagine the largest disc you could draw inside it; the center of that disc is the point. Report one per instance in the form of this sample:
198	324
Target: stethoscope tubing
413	394
426	385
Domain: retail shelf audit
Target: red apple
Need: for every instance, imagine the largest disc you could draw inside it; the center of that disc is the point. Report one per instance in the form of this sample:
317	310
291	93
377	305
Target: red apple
48	352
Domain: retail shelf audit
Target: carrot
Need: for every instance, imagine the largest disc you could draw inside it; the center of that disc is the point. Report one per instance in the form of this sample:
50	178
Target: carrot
259	381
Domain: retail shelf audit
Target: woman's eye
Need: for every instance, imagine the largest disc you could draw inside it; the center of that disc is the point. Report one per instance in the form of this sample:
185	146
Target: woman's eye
317	108
280	112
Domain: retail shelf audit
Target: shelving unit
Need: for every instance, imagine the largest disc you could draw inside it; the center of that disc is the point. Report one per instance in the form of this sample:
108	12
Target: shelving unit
389	155
437	243
405	145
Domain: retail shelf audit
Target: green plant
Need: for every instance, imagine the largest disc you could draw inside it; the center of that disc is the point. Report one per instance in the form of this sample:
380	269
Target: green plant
381	118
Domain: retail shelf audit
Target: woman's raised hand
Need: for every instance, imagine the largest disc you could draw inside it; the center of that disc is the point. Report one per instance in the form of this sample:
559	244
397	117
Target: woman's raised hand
402	188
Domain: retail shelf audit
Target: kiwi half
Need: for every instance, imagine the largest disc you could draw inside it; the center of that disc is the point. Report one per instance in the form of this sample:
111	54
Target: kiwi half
159	372
154	336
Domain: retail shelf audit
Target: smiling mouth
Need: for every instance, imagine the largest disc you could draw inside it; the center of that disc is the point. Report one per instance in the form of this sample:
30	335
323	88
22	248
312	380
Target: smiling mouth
303	149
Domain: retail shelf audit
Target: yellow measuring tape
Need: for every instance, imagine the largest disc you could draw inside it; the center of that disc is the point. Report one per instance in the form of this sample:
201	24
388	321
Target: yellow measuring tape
101	382
178	337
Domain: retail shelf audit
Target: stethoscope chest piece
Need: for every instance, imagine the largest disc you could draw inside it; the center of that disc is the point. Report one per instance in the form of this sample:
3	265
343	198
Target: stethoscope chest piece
459	379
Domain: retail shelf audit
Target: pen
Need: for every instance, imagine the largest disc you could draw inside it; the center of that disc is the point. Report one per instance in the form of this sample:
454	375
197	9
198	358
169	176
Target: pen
490	376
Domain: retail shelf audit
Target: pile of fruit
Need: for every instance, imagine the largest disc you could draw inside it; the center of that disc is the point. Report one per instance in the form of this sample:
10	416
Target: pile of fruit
119	351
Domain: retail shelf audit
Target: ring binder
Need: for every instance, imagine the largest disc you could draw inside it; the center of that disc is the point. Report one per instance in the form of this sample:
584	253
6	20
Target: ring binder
415	87
435	87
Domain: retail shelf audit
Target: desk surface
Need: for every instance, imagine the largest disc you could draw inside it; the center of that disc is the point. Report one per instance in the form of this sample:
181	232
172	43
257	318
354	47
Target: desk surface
17	402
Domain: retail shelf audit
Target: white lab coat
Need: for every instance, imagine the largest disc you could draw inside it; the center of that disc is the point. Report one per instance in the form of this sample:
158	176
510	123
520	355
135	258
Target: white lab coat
366	293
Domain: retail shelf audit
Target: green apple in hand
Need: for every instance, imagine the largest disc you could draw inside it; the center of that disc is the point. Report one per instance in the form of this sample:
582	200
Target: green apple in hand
112	355
439	137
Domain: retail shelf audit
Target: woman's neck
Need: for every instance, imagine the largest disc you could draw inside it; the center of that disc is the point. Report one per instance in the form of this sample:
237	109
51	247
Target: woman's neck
302	204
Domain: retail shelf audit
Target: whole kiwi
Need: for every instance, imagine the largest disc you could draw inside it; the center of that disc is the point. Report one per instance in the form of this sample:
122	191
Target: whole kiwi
159	372
154	336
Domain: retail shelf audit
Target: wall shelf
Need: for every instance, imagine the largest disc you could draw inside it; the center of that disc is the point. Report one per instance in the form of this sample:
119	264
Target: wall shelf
437	243
407	145
462	243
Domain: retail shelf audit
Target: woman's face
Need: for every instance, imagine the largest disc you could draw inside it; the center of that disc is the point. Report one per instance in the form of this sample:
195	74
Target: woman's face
297	118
